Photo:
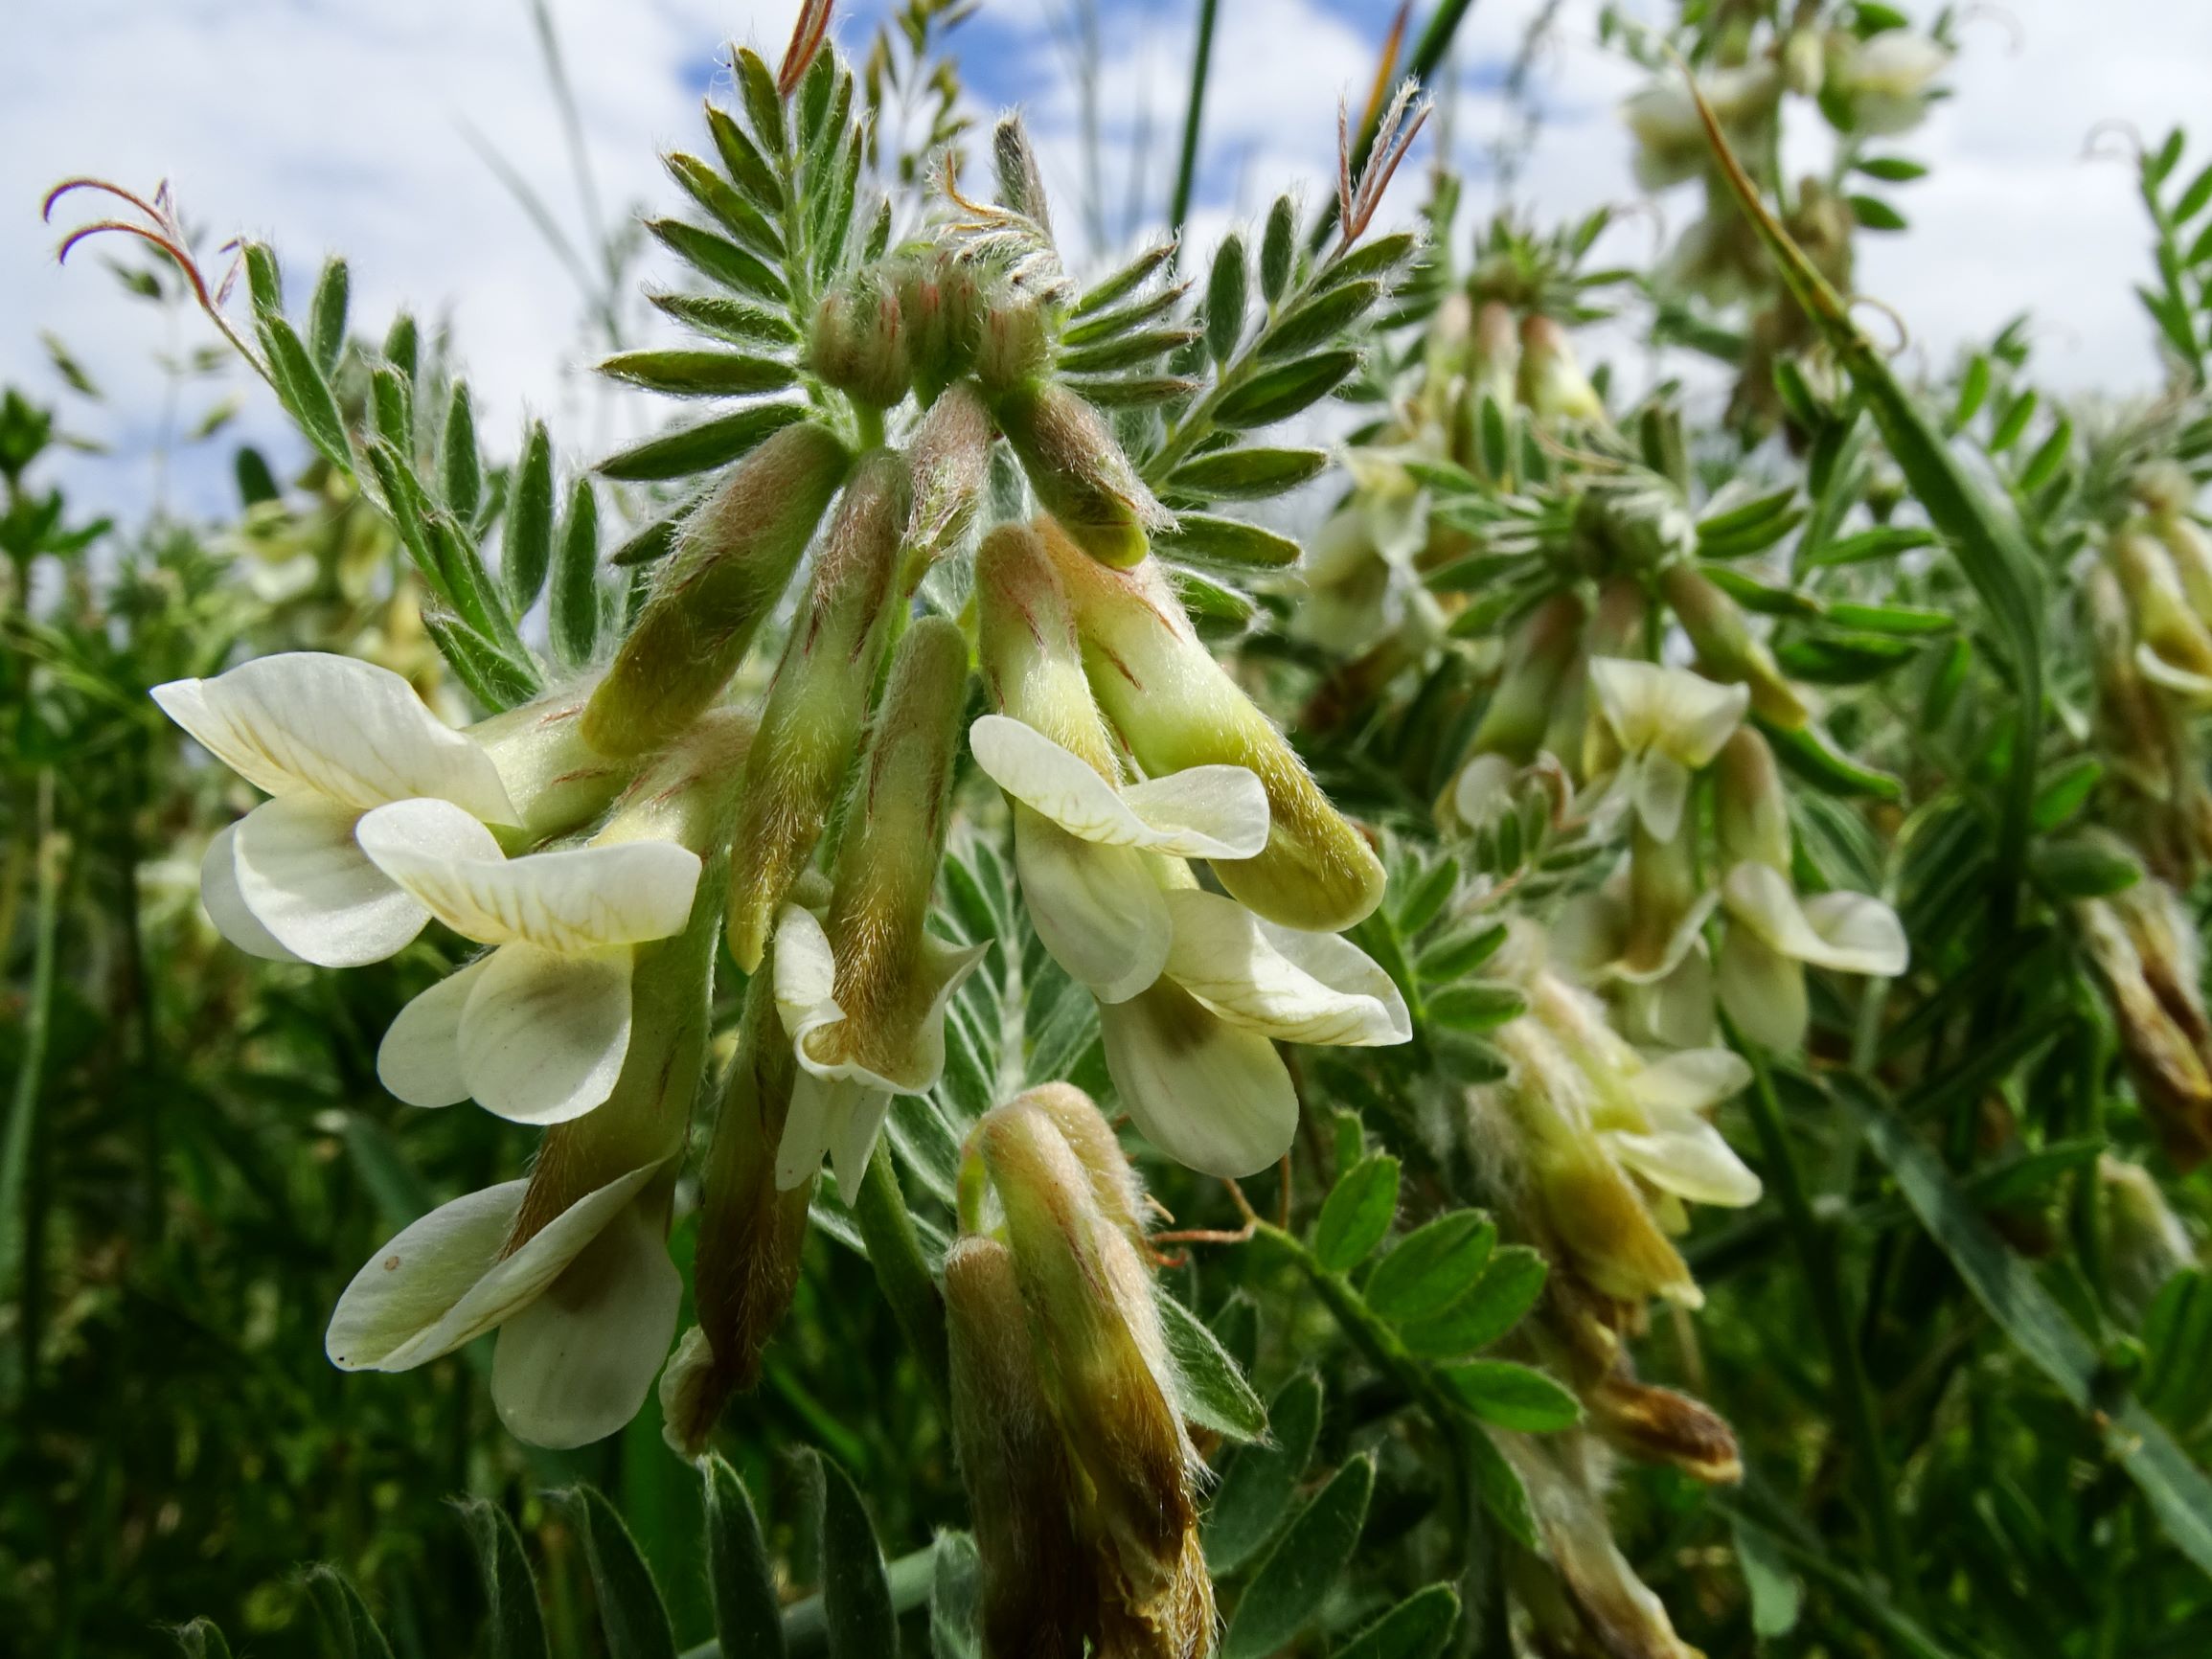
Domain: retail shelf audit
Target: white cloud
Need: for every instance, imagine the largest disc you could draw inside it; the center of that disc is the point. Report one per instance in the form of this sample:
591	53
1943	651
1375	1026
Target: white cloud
327	124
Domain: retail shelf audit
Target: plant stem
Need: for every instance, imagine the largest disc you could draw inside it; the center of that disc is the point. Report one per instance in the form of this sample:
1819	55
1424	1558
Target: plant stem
806	1625
1817	1258
31	1062
1187	168
895	1252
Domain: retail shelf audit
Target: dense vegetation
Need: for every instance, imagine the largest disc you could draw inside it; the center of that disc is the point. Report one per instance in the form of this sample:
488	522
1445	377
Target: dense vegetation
1198	956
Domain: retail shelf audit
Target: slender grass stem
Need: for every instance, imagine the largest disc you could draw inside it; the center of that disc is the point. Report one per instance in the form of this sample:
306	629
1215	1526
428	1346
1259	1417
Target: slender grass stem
29	1065
1816	1255
895	1251
1187	166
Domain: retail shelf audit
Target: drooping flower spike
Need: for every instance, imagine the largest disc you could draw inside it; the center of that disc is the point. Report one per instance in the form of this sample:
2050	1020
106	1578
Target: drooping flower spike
330	738
863	994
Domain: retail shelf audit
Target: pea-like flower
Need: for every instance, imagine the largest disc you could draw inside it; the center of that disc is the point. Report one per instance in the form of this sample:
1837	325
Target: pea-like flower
330	738
1193	1054
584	1306
1887	80
536	1032
1080	846
1667	723
863	997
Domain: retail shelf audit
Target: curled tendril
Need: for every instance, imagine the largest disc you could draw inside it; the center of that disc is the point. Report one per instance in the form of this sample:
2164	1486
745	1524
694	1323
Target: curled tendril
2126	131
1358	200
2016	32
160	226
807	36
1895	316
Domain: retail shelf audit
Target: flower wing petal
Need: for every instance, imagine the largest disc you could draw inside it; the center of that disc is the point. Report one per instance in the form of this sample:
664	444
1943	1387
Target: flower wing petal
314	890
855	1121
806	1131
1763	990
1684	1155
443	1282
1203	812
1307	987
1097	908
806	973
1689	1082
420	1058
573	899
226	906
543	1036
1208	1093
1055	781
1661	785
575	1365
1862	934
313	722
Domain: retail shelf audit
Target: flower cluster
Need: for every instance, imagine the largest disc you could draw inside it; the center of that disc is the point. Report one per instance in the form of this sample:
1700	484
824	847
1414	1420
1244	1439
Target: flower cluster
1127	752
1066	1402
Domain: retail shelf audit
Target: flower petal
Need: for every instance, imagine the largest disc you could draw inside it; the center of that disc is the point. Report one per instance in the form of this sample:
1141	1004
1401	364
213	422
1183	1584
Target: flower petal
1589	932
420	1058
805	972
1763	990
311	723
543	1036
1863	935
855	1119
305	879
1484	790
1691	1082
1203	812
575	1365
443	1282
1848	932
807	1128
1096	908
1307	988
903	1062
1053	780
1667	710
226	906
1209	1094
1684	1155
1661	787
574	900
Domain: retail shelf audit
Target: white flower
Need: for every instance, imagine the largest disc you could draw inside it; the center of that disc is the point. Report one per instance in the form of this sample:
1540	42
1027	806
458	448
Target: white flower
1663	117
1887	80
536	1030
1669	722
1675	1147
329	737
1193	1055
1772	938
584	1308
850	1063
1081	845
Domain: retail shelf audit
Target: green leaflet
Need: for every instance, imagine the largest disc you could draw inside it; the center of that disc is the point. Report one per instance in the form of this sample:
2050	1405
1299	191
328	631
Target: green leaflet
1356	1215
631	1611
1259	1480
749	1618
1293	1580
514	1629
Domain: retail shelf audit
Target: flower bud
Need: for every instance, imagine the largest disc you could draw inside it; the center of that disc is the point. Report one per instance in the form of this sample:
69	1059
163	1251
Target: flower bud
1537	666
811	725
1493	363
745	1269
1660	1425
1664	901
950	463
733	559
2191	552
2177	641
2146	1242
1750	809
1098	1338
1726	647
1078	471
1551	383
1031	656
938	299
858	344
1886	79
1582	1596
2166	1056
1040	1592
1011	347
1177	708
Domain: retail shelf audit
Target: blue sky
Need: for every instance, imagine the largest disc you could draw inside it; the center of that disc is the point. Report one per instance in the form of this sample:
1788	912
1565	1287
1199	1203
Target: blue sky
327	125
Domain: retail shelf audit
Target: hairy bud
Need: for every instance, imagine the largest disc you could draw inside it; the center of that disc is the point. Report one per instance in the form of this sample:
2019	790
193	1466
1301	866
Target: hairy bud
810	729
1177	708
858	344
943	316
1078	471
1551	383
1728	649
734	558
1537	667
950	461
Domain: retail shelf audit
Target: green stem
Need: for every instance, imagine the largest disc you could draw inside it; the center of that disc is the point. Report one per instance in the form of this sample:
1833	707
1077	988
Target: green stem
807	1623
30	1064
1816	1255
1186	168
895	1252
